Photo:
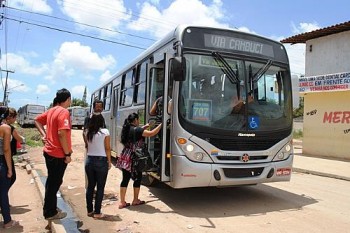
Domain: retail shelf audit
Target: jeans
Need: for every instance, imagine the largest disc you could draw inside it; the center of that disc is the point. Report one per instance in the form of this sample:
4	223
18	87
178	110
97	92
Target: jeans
96	169
4	191
55	171
14	176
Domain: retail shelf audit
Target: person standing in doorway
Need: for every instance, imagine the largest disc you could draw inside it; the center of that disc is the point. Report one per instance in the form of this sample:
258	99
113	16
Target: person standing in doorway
132	137
57	150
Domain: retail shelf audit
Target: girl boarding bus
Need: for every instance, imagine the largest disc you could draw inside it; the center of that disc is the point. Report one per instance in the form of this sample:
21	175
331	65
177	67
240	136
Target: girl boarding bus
227	115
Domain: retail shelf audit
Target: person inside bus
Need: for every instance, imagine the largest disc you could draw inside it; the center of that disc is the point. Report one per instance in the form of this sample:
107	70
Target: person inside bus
5	169
97	164
132	137
157	111
238	104
16	138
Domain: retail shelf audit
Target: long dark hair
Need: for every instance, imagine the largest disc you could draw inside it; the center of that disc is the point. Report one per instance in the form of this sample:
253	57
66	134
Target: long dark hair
4	112
95	124
124	137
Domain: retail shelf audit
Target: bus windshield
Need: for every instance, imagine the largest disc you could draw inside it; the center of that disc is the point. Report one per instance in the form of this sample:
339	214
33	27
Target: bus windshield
236	95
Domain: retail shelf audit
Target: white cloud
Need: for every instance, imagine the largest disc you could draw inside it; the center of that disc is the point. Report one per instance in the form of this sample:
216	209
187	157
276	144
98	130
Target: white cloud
160	22
75	59
107	14
304	27
15	85
35	6
78	91
42	89
20	64
73	54
105	76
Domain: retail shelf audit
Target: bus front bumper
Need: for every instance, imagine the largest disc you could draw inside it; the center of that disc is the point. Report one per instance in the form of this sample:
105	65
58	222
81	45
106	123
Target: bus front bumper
186	173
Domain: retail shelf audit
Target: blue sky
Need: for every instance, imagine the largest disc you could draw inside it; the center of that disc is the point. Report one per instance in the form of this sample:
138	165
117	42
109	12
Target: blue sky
45	60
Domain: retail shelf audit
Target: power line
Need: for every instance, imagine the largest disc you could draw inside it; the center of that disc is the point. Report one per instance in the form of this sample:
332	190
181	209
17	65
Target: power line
84	24
75	33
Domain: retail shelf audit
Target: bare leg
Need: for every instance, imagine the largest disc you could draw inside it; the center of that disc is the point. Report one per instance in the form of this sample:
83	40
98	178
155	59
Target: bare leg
136	195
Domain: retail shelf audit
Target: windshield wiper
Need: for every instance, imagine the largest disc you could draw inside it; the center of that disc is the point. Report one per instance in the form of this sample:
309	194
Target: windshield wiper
225	67
262	70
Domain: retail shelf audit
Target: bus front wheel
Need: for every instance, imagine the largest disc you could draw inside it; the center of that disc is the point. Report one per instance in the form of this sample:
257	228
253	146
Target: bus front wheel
148	180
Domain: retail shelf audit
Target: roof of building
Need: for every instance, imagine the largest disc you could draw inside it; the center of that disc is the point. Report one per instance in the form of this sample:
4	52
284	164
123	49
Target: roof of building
302	38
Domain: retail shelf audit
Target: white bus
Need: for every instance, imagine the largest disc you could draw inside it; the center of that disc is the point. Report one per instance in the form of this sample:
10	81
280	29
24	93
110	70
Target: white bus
27	113
216	135
77	115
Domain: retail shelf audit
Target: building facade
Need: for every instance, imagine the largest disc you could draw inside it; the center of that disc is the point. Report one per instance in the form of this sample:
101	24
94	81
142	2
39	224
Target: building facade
326	91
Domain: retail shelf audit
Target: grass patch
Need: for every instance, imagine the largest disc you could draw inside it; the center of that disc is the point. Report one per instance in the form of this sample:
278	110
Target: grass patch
32	136
297	134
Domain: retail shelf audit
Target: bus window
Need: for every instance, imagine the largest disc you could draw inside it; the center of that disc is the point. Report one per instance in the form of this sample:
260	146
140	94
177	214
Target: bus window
140	85
126	95
107	100
157	84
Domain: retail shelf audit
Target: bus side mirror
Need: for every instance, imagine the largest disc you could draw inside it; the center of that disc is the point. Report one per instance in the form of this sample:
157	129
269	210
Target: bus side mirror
178	69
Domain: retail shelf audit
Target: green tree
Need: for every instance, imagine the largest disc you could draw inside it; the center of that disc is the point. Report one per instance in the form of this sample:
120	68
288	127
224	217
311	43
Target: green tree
298	112
79	102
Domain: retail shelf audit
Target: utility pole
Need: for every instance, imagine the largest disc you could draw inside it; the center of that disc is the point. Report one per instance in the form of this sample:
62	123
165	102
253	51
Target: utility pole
5	89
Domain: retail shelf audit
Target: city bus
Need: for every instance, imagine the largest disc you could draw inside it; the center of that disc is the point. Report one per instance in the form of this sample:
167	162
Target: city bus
27	113
229	120
78	115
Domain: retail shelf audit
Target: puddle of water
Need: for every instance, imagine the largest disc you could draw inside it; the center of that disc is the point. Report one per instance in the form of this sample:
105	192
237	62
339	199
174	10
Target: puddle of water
71	222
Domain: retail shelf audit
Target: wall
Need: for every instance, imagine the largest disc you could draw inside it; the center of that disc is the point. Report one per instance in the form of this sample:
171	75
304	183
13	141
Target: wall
327	124
330	54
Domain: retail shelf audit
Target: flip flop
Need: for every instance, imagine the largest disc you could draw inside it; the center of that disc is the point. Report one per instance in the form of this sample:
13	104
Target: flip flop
121	206
13	224
99	216
139	202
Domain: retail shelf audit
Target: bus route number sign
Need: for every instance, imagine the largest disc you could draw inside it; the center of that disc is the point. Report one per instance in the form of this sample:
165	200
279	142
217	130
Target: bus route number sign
200	110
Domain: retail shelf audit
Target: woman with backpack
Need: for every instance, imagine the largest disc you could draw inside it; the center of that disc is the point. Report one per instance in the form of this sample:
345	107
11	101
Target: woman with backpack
132	137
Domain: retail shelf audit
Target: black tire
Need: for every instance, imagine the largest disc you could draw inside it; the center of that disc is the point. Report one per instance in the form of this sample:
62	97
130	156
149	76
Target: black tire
148	180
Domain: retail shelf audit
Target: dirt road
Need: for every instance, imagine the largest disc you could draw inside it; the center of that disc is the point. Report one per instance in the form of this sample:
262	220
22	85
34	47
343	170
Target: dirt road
296	206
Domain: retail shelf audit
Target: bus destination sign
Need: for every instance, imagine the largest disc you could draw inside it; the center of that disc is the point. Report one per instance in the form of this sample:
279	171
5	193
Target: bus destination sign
237	44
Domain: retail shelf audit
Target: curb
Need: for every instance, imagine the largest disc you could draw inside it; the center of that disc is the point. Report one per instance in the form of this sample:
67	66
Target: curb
321	174
56	225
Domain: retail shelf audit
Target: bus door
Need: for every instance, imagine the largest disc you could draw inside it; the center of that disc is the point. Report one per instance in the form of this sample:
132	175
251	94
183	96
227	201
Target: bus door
114	119
156	88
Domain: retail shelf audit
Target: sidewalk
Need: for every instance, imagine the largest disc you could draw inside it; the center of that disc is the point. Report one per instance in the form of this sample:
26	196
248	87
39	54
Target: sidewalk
319	166
26	206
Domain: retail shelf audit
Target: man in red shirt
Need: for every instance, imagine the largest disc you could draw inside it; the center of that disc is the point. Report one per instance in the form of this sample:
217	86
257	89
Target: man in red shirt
57	149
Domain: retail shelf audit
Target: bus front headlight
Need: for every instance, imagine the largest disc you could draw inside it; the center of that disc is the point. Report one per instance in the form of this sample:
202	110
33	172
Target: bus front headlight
193	152
284	152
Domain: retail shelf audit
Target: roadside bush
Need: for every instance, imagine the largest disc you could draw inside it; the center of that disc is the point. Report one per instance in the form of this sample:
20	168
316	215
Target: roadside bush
32	136
297	134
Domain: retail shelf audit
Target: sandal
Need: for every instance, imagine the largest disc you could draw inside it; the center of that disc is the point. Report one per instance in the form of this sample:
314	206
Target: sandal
91	214
124	205
139	202
99	216
11	224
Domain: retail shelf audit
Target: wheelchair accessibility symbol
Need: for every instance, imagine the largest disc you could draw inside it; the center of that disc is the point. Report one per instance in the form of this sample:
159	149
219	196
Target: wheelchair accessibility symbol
254	122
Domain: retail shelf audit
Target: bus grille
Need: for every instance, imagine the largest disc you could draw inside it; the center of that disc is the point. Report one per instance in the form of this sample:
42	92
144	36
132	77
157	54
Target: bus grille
238	158
242	172
243	145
